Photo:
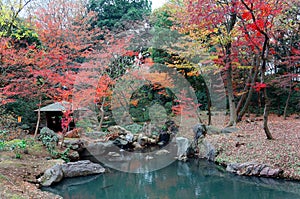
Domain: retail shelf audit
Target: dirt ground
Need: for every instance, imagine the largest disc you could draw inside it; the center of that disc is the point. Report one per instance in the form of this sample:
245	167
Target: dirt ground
249	144
18	177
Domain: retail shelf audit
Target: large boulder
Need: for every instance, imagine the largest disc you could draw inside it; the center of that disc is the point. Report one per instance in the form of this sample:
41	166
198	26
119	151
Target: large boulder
182	146
73	156
207	150
95	135
254	169
215	130
52	175
72	169
164	138
199	131
118	130
74	144
81	168
97	149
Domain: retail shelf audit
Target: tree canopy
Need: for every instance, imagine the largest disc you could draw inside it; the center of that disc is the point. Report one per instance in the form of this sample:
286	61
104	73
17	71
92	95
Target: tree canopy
116	13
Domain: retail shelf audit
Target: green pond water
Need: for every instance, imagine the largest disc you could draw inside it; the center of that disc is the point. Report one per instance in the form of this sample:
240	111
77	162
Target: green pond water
194	179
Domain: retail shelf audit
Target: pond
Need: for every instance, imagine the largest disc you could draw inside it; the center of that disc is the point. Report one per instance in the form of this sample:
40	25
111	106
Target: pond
193	179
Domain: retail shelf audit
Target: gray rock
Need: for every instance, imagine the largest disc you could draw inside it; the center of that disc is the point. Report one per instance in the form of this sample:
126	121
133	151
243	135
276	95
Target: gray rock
264	171
148	157
160	143
211	151
52	175
207	150
136	145
253	169
98	148
81	168
71	141
129	137
74	144
72	169
213	130
162	152
120	142
118	129
94	135
122	137
216	130
199	131
114	154
135	138
151	141
182	146
182	158
74	155
119	158
229	130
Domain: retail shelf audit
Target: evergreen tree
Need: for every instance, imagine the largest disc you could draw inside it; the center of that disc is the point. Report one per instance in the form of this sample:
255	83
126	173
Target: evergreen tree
115	14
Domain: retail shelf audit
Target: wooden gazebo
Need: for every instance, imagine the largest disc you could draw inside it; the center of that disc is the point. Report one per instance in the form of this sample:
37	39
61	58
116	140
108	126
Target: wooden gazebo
53	115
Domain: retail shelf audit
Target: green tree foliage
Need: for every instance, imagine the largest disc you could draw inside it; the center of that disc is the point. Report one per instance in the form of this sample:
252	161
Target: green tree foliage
147	96
13	26
24	107
167	50
114	14
161	18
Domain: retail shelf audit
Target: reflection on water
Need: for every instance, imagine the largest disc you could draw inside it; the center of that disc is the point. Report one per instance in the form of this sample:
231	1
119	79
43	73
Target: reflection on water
195	179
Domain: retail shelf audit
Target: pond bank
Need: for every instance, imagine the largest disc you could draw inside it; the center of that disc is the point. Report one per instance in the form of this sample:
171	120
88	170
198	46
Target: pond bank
18	176
192	179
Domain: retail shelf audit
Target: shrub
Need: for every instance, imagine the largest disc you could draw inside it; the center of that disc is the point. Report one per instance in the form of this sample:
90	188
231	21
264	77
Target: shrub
50	139
17	146
134	128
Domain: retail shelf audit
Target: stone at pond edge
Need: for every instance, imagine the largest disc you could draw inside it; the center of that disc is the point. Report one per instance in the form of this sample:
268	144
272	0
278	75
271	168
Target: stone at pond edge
71	169
119	130
207	150
81	168
182	146
254	169
52	175
74	144
162	152
199	131
97	149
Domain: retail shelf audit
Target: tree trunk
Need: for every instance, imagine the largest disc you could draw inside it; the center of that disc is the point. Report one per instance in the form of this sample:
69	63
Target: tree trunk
264	53
208	104
249	96
101	114
249	83
265	95
63	137
246	92
266	114
229	86
287	102
38	119
232	107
